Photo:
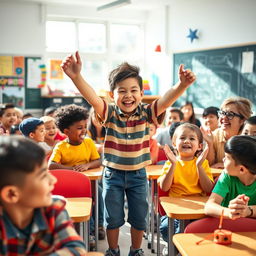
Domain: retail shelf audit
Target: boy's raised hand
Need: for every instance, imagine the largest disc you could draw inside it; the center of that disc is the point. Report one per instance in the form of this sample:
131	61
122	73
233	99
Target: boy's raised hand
187	77
72	65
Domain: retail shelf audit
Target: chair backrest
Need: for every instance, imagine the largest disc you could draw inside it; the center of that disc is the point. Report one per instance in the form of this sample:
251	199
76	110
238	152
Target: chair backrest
209	224
71	184
161	155
161	193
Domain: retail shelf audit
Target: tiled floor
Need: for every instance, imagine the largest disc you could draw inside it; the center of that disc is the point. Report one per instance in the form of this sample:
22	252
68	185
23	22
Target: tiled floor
125	241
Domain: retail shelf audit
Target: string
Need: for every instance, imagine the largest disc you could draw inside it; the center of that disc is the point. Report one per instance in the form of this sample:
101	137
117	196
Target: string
221	219
205	238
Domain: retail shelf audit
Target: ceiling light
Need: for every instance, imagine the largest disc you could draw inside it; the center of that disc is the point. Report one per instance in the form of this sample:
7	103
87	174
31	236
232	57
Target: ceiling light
114	4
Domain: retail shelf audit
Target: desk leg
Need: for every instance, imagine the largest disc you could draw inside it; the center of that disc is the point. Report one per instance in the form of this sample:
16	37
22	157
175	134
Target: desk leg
149	217
171	247
152	216
96	215
158	233
86	229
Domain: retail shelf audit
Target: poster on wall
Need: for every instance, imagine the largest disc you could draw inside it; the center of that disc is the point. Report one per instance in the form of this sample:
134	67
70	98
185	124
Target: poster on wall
6	66
18	66
55	69
33	73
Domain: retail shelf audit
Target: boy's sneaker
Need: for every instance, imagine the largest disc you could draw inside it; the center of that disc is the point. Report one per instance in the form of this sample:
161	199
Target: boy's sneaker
92	243
110	252
165	251
101	233
138	252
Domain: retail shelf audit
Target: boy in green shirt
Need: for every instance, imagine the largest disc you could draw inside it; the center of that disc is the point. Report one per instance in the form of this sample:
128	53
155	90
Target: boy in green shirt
235	190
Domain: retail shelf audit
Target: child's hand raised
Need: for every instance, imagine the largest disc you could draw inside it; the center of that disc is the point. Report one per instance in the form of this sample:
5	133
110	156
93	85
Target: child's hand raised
187	77
202	156
169	154
72	66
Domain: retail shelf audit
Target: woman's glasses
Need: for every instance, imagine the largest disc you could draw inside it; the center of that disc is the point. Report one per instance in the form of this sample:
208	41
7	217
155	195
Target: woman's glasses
229	114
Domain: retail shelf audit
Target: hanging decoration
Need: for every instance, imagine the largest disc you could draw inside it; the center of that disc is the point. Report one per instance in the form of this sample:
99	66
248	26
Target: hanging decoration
192	35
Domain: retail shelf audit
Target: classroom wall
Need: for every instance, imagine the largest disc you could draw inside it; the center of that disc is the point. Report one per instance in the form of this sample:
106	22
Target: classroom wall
220	23
21	29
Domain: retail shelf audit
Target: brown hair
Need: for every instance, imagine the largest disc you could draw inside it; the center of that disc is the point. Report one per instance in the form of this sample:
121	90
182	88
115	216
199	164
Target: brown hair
244	106
123	72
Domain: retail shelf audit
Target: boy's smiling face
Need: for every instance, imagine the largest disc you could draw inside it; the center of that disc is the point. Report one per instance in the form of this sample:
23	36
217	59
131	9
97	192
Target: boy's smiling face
37	187
76	132
9	118
127	95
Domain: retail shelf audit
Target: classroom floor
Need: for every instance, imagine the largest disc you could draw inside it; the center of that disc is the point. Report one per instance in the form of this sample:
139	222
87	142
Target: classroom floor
125	240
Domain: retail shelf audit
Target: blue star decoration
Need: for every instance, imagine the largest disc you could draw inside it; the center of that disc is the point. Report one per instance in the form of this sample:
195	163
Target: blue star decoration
192	35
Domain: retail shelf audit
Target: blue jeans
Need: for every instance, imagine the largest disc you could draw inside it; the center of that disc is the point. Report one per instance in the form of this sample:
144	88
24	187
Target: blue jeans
116	184
164	227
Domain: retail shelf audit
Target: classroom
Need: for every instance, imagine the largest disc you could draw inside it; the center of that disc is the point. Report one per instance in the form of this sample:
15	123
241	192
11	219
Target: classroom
214	39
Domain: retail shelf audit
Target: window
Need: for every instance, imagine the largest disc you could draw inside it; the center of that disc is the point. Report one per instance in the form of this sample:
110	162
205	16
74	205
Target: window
102	47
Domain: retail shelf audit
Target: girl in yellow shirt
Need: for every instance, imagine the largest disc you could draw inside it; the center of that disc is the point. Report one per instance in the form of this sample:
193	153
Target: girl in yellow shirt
187	172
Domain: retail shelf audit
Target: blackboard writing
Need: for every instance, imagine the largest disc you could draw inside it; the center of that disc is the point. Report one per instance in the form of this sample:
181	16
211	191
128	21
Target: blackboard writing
218	74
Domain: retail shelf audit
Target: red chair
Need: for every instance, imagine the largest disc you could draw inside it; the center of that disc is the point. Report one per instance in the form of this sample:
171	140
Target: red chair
73	184
160	194
209	224
161	155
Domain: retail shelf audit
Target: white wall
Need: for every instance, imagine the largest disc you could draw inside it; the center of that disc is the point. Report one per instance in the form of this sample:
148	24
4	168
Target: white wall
220	23
21	29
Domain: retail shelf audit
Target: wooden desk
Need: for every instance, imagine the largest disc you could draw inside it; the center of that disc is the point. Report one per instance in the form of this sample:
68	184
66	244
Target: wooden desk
79	208
243	244
94	175
216	172
182	208
94	254
153	172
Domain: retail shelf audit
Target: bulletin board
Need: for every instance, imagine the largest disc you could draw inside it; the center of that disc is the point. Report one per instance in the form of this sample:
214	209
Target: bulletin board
21	78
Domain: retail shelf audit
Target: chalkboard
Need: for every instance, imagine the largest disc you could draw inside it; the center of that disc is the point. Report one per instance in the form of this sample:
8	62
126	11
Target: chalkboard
33	98
219	75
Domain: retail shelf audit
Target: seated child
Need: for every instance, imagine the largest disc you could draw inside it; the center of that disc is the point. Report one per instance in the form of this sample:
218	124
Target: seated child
50	133
235	189
250	126
77	152
19	114
32	222
187	173
153	146
8	118
210	118
33	128
162	134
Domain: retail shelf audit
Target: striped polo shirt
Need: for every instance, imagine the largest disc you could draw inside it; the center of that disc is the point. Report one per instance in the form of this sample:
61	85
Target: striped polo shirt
126	145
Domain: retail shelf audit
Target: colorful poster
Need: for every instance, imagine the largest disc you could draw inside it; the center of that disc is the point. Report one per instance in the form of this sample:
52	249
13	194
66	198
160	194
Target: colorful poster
55	69
33	73
5	65
18	66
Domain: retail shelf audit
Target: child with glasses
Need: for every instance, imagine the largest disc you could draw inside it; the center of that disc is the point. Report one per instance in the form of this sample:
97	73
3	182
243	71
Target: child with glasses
232	115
